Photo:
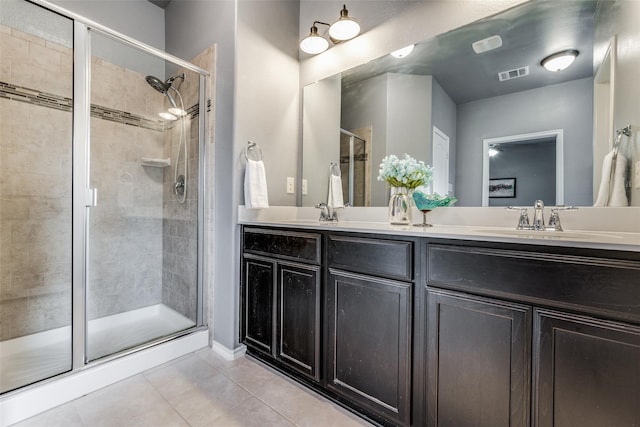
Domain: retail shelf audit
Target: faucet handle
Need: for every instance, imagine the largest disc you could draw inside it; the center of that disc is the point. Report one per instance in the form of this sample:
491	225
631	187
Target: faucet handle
523	221
554	220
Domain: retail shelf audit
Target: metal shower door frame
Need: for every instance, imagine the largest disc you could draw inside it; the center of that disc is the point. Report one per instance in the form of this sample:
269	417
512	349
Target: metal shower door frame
83	197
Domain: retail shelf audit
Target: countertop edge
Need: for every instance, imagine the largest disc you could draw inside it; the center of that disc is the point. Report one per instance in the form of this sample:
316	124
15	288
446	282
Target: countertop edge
629	241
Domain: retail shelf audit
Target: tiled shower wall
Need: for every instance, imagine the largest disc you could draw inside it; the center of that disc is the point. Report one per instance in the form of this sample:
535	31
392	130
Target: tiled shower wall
125	237
35	188
132	247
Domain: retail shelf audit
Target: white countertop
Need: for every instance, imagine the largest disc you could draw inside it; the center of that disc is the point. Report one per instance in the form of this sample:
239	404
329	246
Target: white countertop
478	224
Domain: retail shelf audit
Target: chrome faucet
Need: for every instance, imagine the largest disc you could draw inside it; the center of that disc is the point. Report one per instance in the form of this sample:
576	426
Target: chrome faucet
327	214
538	217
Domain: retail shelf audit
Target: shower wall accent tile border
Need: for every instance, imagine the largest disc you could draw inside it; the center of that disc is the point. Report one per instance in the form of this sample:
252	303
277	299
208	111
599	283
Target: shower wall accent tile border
49	100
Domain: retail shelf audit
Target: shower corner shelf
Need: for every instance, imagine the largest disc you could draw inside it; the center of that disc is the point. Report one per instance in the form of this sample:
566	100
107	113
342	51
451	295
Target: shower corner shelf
155	163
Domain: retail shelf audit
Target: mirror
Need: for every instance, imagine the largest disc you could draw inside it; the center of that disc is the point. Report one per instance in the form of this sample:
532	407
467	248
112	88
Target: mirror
443	103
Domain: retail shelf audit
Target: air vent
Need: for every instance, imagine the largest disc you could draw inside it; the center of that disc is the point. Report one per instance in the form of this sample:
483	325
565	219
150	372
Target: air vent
513	74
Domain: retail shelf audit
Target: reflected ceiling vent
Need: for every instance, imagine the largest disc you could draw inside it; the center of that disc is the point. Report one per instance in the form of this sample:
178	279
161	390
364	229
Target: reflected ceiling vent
487	44
513	74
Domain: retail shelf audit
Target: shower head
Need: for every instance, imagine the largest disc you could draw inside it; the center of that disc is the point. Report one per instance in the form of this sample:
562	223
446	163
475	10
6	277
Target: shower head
158	84
163	87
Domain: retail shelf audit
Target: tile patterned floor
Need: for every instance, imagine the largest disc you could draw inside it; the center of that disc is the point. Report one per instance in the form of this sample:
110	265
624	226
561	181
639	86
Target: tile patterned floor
200	389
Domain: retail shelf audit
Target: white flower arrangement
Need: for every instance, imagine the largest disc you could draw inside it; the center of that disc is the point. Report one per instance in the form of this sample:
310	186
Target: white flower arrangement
407	172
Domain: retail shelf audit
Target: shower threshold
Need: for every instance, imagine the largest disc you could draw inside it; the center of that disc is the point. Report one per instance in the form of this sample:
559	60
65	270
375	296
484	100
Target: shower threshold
31	358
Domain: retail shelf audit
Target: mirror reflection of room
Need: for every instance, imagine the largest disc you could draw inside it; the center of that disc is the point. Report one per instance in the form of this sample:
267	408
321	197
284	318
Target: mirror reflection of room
481	81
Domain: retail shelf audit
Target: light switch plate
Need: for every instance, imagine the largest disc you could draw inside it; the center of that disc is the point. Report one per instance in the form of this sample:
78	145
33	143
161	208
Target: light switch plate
291	185
304	187
636	180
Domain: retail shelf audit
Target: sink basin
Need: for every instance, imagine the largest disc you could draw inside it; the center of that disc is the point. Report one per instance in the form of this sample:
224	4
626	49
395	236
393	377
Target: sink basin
552	235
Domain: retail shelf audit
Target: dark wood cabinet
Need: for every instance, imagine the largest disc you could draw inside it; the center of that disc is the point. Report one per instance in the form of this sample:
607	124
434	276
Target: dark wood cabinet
586	372
411	331
369	343
478	359
298	314
281	298
259	292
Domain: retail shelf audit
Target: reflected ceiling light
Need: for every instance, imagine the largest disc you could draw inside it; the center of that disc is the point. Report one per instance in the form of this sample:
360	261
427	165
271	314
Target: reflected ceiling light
401	53
344	28
314	43
487	44
494	150
559	60
167	116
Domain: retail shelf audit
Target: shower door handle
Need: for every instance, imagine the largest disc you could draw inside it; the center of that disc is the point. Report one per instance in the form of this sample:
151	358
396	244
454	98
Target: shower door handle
92	197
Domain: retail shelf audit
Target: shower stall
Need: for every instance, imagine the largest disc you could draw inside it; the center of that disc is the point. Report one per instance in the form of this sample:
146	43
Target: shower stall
101	149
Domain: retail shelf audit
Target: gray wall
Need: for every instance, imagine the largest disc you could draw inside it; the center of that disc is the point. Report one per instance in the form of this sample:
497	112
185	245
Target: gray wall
321	146
567	106
257	97
444	117
398	108
365	105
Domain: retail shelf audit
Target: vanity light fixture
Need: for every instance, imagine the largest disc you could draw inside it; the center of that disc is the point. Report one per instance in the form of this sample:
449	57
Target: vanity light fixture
559	60
345	28
401	53
314	43
494	150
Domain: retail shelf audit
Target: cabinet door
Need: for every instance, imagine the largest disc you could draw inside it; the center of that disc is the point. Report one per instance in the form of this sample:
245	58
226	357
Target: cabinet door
259	285
369	343
298	334
478	361
587	372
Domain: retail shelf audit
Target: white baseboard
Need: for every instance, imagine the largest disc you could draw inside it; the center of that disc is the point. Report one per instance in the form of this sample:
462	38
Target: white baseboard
227	353
31	401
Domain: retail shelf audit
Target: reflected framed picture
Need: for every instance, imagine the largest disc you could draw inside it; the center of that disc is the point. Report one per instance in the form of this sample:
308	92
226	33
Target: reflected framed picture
502	188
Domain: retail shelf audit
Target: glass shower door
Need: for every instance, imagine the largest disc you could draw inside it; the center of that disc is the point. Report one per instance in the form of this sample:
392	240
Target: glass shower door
142	230
36	84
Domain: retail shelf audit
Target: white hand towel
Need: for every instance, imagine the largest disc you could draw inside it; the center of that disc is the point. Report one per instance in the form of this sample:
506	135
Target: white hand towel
612	192
255	185
334	198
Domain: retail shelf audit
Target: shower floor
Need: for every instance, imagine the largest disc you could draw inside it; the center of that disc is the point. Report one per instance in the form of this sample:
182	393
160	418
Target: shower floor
31	358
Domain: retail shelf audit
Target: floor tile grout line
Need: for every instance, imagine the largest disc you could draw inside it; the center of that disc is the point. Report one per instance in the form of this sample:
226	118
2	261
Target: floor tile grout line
163	396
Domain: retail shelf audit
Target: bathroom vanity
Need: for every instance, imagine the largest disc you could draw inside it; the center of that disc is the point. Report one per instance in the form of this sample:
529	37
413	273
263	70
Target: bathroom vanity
429	328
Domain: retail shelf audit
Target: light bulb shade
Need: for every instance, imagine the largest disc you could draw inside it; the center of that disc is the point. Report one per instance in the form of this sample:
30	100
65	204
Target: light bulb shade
401	53
313	43
344	28
559	60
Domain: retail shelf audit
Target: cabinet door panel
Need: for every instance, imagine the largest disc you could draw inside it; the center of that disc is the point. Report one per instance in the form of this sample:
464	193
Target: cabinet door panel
369	343
588	372
259	283
478	362
299	317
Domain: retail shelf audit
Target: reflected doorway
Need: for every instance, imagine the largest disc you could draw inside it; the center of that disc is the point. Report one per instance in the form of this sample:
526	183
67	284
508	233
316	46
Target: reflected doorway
534	163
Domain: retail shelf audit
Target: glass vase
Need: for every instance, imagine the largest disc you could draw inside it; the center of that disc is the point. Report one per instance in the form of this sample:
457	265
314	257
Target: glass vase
400	206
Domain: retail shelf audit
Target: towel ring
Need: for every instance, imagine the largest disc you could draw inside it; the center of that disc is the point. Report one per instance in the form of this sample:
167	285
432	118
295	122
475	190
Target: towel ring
253	152
334	169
